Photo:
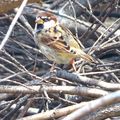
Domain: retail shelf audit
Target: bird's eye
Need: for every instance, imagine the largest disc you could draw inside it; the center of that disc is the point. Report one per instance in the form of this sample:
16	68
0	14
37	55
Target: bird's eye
45	19
48	18
72	51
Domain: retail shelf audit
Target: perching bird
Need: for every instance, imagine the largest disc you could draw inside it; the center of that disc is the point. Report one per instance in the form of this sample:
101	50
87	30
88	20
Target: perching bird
56	41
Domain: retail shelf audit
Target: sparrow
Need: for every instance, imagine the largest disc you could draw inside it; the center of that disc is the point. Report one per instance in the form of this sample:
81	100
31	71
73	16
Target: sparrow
56	41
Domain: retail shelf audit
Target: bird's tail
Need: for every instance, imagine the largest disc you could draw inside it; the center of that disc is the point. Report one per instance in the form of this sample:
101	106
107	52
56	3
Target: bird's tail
86	57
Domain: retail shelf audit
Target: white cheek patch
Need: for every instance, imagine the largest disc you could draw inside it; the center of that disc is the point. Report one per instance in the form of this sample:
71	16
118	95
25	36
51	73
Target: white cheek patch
49	24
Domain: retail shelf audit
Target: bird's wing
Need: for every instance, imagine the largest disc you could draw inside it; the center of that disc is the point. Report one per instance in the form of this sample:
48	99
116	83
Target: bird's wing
72	41
53	43
60	38
63	41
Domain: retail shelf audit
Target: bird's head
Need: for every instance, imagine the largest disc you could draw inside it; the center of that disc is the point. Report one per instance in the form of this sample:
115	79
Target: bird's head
45	20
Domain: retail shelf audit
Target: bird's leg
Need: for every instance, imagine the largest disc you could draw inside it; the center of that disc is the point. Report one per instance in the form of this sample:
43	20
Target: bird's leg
52	67
72	62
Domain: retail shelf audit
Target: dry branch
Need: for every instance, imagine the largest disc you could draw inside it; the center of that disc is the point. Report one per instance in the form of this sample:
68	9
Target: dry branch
104	113
13	23
82	91
53	113
25	72
75	77
93	105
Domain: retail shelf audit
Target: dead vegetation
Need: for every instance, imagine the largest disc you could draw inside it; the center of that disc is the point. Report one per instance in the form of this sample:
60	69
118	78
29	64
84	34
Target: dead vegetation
29	91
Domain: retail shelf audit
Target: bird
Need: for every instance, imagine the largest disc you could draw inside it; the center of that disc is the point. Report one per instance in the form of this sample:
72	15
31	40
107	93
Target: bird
56	41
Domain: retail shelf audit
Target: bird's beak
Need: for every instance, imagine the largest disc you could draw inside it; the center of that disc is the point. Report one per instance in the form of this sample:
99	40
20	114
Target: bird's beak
39	21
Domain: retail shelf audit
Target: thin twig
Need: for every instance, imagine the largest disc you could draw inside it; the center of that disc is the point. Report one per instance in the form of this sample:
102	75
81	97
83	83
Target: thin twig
13	24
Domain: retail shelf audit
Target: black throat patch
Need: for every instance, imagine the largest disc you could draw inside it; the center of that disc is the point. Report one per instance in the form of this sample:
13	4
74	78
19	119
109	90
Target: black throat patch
39	28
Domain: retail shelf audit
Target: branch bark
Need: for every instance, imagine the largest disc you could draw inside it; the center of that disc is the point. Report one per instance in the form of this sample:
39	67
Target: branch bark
73	90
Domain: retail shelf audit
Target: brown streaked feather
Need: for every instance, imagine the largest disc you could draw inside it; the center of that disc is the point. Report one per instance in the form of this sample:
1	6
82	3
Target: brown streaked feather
75	44
53	43
88	58
72	43
61	41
